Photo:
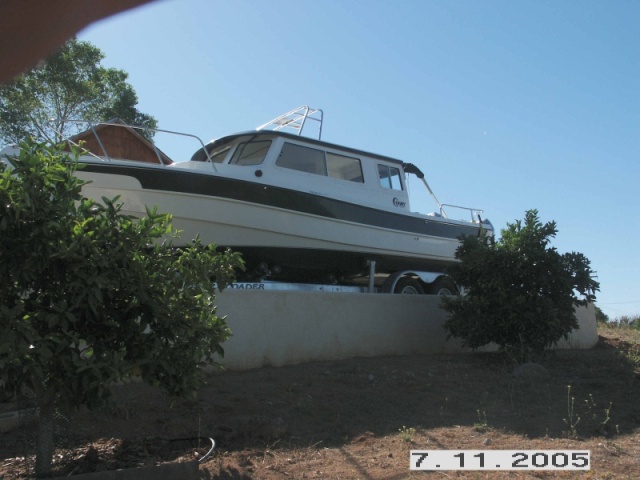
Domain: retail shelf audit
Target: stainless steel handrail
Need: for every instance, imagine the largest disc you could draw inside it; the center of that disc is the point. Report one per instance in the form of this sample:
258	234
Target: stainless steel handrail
472	211
124	125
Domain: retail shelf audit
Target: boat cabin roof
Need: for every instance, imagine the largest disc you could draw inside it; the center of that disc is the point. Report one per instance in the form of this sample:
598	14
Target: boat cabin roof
201	156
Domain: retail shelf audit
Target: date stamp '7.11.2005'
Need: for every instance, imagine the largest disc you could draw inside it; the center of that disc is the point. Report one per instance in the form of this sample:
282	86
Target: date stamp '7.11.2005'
500	460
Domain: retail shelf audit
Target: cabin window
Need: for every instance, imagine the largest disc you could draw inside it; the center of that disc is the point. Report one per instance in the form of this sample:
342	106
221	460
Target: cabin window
345	168
300	158
319	162
390	177
251	153
219	155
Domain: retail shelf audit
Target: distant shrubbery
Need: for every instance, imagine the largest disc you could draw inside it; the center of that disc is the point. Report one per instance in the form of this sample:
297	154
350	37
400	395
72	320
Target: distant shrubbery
625	321
601	317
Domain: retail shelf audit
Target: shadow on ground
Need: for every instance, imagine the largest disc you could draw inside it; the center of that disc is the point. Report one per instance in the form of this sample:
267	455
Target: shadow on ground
332	404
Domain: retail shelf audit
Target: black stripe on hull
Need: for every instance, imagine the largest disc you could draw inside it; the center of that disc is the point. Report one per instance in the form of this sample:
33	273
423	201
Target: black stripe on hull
174	180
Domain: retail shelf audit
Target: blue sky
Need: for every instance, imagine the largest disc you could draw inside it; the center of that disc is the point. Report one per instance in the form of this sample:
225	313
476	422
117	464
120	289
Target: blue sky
506	106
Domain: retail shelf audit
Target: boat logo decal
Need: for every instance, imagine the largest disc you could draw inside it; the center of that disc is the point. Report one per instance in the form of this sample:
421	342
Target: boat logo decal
398	203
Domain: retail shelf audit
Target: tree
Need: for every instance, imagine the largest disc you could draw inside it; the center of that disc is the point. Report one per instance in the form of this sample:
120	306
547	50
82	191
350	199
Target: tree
89	296
71	85
601	317
521	292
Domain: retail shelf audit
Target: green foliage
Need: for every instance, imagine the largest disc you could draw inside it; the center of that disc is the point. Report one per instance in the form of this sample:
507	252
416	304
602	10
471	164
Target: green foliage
89	296
482	425
601	317
407	433
521	292
70	85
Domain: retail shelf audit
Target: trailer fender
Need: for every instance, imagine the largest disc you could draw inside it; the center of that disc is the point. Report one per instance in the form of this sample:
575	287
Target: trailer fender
425	277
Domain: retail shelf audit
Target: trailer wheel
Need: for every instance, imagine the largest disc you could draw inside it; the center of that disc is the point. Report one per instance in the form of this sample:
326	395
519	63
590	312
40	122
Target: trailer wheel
443	286
408	286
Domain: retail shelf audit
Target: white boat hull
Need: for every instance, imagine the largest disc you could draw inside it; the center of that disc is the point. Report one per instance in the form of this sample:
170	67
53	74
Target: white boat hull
252	227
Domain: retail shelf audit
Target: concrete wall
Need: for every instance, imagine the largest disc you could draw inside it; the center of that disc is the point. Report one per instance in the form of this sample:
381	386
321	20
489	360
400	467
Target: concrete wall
272	328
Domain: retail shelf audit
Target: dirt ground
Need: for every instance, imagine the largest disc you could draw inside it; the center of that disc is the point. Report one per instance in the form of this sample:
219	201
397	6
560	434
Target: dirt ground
359	419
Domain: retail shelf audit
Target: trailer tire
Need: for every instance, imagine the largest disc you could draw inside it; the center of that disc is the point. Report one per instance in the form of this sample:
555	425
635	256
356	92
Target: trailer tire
443	286
408	286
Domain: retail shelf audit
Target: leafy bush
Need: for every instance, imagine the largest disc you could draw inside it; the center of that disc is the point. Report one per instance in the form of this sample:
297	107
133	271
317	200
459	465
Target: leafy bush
89	296
601	317
521	292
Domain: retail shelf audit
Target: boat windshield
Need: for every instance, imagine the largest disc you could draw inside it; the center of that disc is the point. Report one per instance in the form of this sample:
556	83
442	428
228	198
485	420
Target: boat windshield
217	153
244	153
251	153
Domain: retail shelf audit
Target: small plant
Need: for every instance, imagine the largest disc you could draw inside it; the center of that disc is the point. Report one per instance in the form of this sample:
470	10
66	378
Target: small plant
573	419
615	449
407	433
482	425
599	424
595	420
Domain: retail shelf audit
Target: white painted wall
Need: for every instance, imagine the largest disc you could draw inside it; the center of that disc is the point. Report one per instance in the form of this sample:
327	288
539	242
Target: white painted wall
285	328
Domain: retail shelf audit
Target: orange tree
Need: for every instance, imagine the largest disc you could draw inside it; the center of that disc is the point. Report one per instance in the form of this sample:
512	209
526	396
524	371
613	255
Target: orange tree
89	295
521	293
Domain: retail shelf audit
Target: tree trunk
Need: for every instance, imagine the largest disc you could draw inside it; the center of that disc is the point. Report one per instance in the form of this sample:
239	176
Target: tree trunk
44	445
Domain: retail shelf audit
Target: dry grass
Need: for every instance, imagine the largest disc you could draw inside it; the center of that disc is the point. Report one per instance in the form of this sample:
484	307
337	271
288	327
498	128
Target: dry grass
626	331
359	418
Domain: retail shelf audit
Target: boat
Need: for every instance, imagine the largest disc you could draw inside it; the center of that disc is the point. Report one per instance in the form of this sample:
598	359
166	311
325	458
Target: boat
298	208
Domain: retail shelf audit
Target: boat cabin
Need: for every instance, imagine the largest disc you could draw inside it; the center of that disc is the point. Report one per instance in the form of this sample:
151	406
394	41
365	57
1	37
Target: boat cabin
305	164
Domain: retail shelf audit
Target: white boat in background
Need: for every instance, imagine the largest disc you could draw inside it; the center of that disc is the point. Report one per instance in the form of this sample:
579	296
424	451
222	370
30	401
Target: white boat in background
299	209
